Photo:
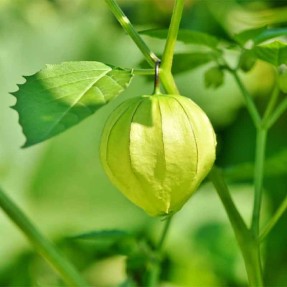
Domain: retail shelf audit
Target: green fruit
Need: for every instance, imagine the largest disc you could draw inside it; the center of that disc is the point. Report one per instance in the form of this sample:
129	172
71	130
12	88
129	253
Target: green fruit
156	150
247	60
214	77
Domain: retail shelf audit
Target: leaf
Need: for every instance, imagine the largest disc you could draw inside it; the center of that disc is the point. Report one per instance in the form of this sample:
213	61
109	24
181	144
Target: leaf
60	96
274	166
104	234
270	34
128	283
274	53
259	35
185	36
183	62
187	61
249	34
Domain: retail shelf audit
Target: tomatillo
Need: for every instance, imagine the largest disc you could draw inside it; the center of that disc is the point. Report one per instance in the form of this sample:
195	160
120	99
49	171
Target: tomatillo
157	149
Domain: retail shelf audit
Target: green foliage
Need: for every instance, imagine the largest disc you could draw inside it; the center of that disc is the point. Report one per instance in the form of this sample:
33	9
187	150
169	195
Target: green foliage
274	53
54	100
247	35
186	36
259	35
188	61
275	166
104	234
60	96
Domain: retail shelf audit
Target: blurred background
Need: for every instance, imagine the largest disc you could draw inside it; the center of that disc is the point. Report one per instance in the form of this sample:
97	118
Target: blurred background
60	183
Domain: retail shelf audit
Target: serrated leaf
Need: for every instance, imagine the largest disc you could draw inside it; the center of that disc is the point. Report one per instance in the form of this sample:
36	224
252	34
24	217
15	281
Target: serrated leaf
185	36
274	53
104	234
60	96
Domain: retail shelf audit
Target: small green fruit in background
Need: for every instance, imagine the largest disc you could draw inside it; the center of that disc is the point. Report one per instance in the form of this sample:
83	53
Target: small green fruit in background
213	77
157	149
247	60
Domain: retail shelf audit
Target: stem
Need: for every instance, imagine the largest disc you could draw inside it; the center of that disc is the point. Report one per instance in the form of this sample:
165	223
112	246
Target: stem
279	212
270	107
150	57
167	58
234	216
248	99
258	178
247	243
277	113
41	244
143	72
153	276
164	233
172	35
168	82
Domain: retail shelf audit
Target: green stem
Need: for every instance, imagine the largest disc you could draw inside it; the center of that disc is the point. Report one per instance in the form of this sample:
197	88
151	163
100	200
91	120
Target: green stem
164	234
234	216
150	57
277	113
167	57
153	276
143	72
277	215
168	82
270	107
258	178
41	244
248	99
247	243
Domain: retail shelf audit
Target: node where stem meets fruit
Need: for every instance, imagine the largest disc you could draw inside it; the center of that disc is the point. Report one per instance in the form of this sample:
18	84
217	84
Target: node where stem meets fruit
157	149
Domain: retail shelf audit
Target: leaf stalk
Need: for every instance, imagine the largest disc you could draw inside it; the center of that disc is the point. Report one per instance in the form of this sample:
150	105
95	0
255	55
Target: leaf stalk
150	57
59	263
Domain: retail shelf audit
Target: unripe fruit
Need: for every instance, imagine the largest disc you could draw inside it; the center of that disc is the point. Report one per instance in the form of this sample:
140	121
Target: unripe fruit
156	150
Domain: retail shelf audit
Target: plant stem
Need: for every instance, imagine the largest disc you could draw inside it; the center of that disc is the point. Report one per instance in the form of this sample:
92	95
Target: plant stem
247	243
164	233
277	113
143	72
167	57
270	107
248	99
153	276
150	57
279	212
168	82
234	216
41	244
258	178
